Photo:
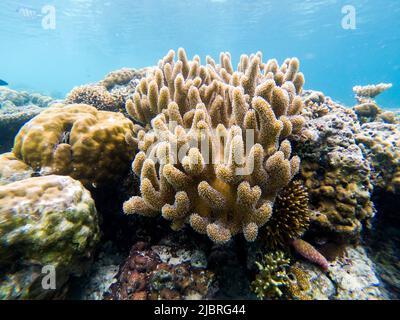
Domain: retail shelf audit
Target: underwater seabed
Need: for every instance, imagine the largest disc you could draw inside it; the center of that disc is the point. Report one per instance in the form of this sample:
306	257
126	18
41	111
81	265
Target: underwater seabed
316	218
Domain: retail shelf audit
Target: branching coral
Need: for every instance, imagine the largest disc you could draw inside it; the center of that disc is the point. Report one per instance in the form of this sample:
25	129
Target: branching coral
202	119
366	94
273	276
291	216
92	146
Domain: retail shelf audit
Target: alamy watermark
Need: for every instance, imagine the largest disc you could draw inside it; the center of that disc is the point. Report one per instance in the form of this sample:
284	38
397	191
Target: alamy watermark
47	15
349	20
49	277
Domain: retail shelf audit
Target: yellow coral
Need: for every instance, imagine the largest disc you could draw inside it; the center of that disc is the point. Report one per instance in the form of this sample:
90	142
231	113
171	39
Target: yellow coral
92	146
219	149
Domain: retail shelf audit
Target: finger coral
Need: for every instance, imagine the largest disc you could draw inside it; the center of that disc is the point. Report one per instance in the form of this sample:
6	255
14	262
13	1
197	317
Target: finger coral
273	276
92	146
217	153
290	218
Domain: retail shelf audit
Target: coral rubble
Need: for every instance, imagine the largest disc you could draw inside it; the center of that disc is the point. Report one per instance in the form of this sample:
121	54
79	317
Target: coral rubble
200	117
44	221
147	276
92	146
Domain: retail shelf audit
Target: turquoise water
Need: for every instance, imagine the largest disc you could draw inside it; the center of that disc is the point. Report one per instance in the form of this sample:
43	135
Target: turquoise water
93	37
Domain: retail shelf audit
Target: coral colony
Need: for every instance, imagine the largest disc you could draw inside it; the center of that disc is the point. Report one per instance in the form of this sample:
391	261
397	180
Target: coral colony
220	154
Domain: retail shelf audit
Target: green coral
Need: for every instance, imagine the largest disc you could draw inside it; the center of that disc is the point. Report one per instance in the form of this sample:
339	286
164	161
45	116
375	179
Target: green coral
273	277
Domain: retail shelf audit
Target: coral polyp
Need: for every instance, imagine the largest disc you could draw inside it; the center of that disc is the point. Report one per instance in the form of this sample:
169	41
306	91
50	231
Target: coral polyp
215	152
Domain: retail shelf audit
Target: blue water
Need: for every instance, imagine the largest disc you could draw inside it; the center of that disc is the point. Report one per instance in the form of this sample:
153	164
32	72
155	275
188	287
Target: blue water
93	37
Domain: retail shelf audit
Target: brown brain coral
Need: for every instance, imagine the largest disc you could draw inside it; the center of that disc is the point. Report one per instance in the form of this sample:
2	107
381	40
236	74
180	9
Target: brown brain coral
217	153
92	146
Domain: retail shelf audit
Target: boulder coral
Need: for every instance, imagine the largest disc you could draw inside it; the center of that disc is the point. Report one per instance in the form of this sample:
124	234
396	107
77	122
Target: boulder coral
13	169
198	122
335	171
94	147
44	221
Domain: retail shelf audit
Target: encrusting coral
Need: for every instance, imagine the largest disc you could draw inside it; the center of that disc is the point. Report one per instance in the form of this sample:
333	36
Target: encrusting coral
273	276
380	142
290	218
334	170
202	117
92	146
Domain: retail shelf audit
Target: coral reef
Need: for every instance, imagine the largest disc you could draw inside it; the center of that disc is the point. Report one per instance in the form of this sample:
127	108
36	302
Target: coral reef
380	142
13	98
366	94
290	219
92	146
351	277
273	277
111	93
17	108
148	275
201	117
334	169
44	221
